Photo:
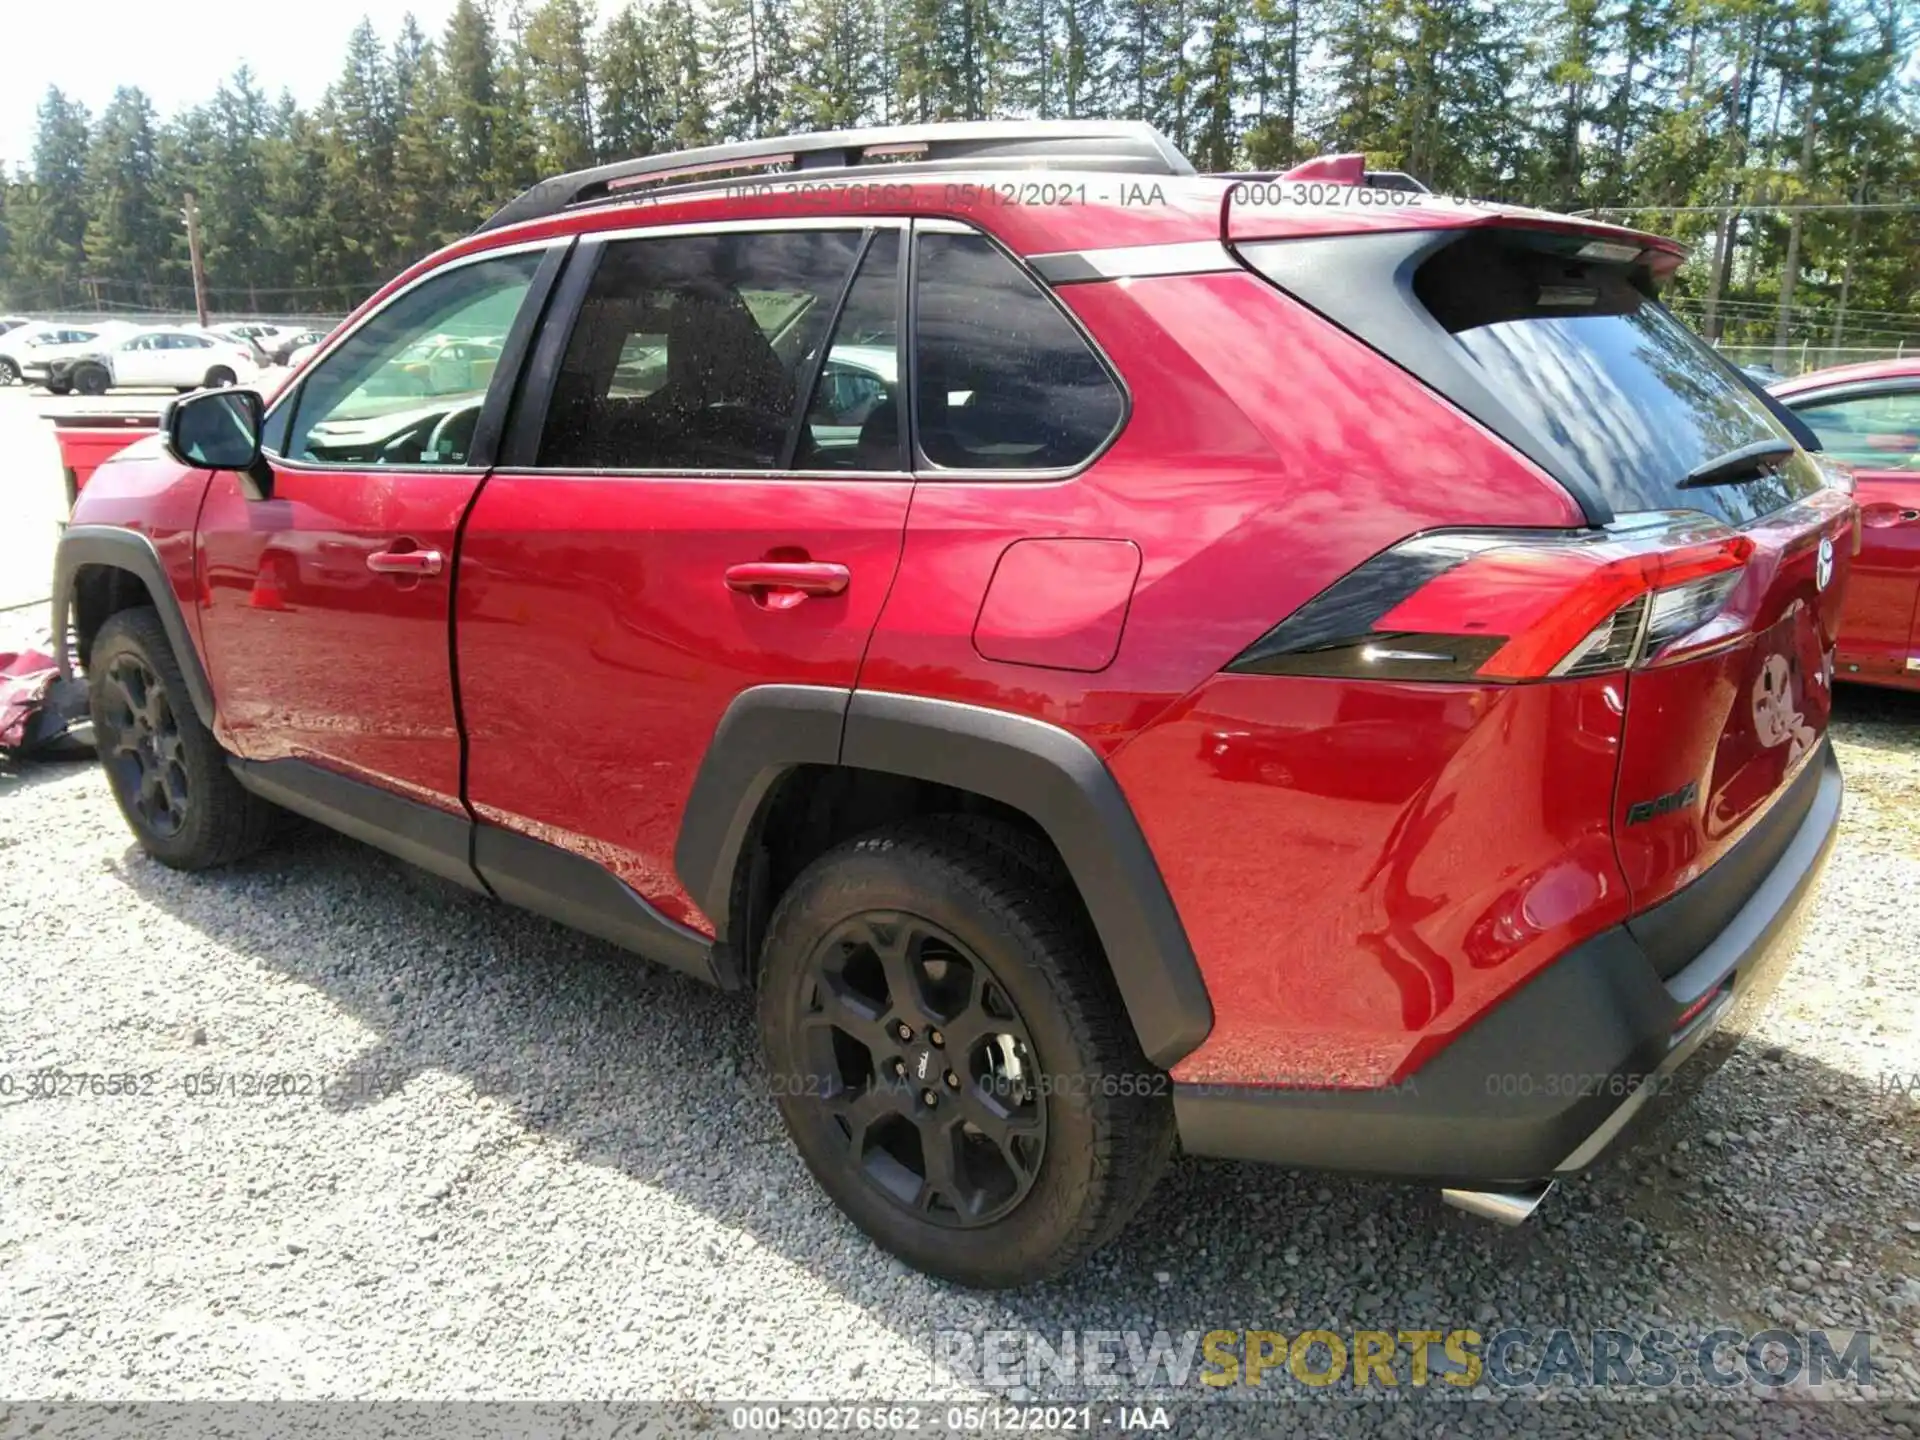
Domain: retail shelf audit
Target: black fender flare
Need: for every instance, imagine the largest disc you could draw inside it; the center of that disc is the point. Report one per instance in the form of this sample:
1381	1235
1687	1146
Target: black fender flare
121	549
1039	769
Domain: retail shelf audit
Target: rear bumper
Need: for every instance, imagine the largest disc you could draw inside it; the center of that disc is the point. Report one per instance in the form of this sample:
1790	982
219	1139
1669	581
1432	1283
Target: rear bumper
1546	1081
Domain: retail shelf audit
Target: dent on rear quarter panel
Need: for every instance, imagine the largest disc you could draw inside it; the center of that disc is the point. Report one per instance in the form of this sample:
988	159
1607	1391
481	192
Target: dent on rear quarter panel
1266	454
1364	868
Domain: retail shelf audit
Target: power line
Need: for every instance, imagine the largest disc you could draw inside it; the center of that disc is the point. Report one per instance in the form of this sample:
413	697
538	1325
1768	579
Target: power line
1757	206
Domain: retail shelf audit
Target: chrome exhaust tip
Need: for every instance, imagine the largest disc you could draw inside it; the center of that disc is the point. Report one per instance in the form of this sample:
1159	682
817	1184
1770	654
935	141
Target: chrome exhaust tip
1503	1207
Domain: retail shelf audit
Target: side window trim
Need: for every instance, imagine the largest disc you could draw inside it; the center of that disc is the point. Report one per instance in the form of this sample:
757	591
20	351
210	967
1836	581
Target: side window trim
499	387
1852	390
527	418
809	376
924	469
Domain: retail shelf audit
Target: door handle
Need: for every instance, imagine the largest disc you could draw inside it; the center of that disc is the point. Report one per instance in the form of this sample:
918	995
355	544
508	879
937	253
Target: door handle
404	562
782	584
1882	515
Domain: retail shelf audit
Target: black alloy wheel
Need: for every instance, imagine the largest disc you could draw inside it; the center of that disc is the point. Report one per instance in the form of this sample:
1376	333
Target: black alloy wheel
925	1068
142	747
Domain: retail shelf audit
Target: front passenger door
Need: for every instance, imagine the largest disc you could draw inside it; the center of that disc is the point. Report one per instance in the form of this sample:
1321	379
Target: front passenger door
326	606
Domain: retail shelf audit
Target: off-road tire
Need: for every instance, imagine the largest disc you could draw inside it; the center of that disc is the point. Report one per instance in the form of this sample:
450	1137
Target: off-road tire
1108	1124
219	820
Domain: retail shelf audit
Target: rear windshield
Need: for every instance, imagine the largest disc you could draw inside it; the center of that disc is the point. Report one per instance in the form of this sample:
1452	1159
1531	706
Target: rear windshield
1603	377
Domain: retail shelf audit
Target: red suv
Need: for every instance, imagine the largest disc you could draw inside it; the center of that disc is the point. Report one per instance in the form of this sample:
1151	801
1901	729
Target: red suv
1111	656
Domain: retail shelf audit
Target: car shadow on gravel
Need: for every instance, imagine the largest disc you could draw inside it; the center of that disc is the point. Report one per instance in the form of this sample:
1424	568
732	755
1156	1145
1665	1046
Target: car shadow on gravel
1869	708
658	1078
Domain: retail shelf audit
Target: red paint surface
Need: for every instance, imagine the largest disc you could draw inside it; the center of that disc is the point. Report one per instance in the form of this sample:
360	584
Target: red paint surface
1738	723
599	643
84	448
312	655
1364	867
1060	604
1247	488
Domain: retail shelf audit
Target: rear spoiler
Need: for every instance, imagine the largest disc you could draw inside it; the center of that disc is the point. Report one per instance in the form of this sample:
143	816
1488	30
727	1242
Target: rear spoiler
1274	207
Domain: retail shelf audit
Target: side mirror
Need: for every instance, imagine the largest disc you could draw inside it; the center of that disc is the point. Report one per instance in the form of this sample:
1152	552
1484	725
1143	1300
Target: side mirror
220	430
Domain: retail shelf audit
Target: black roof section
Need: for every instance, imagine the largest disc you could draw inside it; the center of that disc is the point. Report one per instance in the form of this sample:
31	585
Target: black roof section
1128	146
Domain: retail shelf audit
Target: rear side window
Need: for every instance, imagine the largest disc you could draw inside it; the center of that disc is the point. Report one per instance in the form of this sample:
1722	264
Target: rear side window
689	350
1603	376
1003	380
1874	432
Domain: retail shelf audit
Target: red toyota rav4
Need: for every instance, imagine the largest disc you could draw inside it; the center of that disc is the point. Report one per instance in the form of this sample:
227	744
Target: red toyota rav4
1111	656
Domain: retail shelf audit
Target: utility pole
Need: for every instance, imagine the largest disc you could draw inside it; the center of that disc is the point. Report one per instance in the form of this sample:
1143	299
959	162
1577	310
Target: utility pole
192	212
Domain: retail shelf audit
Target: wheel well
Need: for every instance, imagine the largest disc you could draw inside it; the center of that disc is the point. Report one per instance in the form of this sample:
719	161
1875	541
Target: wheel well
813	808
100	591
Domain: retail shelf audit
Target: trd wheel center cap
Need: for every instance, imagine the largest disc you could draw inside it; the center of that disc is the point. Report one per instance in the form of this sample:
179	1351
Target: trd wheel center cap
922	1066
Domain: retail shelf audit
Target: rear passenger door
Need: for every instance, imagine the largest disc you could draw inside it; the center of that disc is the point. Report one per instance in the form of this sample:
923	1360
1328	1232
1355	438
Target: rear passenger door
675	520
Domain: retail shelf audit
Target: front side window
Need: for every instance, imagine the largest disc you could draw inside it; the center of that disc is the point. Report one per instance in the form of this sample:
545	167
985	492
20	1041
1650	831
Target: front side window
406	387
1003	380
1874	432
689	349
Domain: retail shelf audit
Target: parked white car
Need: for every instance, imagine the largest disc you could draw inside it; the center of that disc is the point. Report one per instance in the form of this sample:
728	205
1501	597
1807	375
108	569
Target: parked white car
175	359
38	357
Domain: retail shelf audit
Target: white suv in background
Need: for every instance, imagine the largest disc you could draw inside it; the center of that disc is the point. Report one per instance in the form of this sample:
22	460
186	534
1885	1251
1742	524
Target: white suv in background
177	359
27	351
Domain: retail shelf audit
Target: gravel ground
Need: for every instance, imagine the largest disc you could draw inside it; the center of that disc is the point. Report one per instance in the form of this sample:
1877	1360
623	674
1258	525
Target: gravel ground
521	1165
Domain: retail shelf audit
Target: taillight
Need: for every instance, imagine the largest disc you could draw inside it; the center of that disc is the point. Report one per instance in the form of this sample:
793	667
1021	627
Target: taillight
1517	605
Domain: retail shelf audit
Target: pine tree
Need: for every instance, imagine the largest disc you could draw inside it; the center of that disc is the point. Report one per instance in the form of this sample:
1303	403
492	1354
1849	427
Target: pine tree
748	64
1216	75
918	58
293	181
683	71
230	189
1085	63
838	73
48	210
470	93
631	116
128	235
558	87
1035	48
516	153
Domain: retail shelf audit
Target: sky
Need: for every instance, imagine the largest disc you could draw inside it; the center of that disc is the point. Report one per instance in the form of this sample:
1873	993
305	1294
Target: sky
178	51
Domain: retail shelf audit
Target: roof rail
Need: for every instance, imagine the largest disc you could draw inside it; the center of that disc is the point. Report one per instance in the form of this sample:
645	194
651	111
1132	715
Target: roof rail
1130	146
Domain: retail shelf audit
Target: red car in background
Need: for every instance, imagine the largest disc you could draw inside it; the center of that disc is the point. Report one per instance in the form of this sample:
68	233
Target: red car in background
1868	417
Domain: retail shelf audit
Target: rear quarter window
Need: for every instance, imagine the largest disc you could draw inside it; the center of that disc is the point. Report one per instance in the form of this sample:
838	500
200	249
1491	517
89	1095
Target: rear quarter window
1603	375
1003	380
